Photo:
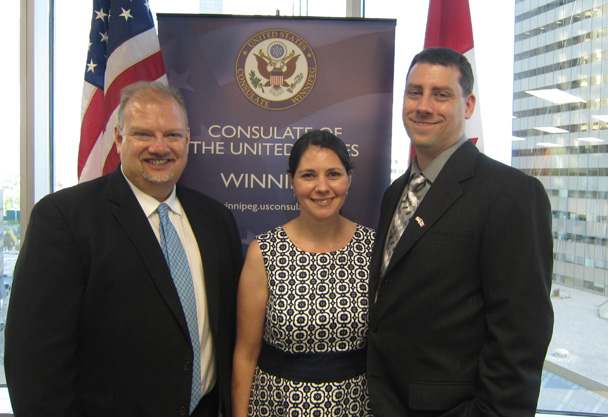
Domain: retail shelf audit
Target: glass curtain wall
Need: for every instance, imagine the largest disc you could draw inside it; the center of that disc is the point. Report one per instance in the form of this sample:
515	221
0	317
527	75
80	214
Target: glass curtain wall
560	108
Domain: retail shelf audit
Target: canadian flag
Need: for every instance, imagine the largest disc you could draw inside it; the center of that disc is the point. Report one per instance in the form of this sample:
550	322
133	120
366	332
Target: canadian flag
449	25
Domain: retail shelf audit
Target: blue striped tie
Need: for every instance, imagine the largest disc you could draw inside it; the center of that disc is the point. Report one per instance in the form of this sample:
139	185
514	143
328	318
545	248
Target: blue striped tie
180	271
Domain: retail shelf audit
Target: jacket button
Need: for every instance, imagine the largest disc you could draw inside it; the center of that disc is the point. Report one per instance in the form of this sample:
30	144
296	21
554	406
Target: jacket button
183	410
186	366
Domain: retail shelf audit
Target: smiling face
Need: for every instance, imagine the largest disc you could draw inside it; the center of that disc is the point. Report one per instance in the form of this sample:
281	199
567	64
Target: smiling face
435	109
320	183
153	144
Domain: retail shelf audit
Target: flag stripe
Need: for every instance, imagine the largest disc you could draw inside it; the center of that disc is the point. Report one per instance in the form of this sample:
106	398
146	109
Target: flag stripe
98	163
91	125
122	50
149	69
112	160
139	48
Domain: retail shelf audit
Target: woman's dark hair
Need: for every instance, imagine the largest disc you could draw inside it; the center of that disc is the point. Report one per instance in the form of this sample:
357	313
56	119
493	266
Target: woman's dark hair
322	139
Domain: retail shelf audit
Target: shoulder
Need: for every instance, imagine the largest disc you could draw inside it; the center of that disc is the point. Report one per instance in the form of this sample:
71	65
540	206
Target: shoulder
364	239
76	197
365	231
508	187
270	238
484	178
254	259
469	161
191	198
501	173
254	249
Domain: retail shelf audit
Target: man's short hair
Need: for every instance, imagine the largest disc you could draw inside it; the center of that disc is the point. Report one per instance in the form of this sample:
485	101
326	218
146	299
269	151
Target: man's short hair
154	91
448	58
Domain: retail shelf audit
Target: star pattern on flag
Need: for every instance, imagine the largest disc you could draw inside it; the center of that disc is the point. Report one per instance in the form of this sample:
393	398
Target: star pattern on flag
123	48
107	34
126	14
91	66
101	14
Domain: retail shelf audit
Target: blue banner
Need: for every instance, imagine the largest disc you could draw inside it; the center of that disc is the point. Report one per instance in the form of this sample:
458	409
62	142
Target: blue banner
253	85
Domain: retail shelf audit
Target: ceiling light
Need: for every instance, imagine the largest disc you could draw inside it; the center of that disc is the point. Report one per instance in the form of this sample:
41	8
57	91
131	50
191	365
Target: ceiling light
602	117
551	129
549	145
591	140
555	95
515	138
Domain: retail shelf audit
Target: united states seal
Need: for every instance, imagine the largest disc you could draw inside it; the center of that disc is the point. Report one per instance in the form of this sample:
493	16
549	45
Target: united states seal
276	69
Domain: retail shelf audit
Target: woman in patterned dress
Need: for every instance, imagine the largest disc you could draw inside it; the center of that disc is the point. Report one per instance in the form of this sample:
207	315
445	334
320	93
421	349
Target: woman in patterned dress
302	299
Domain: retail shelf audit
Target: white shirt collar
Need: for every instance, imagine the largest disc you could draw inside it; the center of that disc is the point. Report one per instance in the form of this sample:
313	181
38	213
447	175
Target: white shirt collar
149	204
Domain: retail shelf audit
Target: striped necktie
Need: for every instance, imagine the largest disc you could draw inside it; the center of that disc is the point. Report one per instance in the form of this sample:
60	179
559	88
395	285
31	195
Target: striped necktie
401	218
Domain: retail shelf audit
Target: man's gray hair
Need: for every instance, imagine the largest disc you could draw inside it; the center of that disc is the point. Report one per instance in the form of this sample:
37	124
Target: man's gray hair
153	91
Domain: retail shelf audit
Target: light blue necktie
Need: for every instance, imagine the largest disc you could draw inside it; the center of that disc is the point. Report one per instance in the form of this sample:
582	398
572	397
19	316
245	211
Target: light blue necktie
180	271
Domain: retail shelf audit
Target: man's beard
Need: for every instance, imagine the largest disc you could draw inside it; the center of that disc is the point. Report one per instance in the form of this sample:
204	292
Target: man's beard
158	178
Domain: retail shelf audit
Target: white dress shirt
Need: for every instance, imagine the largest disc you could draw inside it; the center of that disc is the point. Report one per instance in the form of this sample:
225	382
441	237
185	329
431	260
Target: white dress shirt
180	221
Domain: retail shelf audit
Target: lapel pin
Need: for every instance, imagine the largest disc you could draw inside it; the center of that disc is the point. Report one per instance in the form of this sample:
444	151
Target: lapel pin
420	221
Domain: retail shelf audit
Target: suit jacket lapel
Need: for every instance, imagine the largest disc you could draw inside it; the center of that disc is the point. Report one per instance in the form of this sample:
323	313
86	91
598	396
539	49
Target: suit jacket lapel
392	202
131	217
389	204
443	193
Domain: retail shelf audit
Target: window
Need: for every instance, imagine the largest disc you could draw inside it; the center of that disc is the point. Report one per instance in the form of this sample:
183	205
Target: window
10	192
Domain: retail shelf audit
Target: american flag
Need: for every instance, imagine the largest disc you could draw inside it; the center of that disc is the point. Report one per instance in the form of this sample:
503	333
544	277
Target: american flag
123	49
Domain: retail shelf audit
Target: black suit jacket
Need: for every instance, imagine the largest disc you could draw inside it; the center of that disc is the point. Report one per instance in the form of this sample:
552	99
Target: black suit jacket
95	326
463	317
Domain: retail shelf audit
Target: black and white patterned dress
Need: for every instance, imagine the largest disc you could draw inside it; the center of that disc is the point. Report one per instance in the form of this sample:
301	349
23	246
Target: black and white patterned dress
317	304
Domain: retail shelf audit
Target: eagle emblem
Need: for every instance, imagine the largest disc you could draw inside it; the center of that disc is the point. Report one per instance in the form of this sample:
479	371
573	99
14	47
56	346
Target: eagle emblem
276	69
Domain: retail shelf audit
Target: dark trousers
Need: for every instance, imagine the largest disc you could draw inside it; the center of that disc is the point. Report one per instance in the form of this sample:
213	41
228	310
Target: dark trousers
208	406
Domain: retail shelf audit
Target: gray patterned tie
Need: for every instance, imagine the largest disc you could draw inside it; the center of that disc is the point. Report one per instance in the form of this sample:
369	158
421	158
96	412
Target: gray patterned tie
402	216
180	271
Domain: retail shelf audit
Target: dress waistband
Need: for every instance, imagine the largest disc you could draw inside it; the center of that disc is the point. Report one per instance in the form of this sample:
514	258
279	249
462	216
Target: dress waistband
312	367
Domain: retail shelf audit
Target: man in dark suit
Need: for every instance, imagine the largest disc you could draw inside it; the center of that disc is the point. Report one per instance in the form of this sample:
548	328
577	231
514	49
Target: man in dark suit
460	315
96	325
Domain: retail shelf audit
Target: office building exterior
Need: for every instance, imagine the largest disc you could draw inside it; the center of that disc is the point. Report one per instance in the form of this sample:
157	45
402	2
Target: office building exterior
560	108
